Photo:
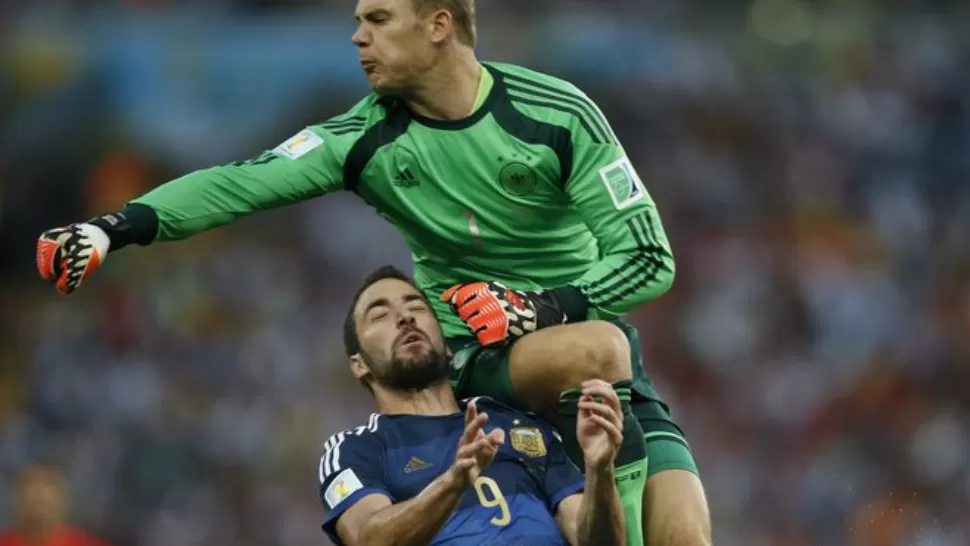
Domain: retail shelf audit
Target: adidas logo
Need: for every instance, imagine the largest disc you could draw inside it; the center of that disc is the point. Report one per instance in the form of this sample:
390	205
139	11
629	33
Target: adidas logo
415	464
405	179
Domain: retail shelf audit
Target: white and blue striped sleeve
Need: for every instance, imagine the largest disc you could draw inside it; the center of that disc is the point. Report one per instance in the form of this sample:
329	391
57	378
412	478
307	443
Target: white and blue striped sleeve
351	468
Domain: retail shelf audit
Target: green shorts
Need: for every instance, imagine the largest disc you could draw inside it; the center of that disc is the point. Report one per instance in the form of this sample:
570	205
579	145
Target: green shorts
484	371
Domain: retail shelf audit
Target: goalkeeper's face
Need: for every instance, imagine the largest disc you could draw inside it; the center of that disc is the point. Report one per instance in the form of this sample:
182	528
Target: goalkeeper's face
401	344
397	45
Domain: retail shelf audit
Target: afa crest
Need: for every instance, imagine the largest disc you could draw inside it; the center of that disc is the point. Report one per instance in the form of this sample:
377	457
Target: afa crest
528	441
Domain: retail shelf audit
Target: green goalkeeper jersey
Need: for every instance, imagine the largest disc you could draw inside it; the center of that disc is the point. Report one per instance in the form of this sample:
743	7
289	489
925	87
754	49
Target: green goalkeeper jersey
532	190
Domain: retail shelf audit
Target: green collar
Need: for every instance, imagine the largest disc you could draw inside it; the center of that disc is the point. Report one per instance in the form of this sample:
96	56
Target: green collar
484	88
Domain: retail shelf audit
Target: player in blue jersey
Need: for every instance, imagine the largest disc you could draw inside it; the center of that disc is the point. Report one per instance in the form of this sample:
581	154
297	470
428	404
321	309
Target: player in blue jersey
430	470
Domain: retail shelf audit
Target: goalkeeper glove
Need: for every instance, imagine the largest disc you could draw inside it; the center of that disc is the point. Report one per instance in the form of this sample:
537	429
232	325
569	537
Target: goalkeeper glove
67	256
496	313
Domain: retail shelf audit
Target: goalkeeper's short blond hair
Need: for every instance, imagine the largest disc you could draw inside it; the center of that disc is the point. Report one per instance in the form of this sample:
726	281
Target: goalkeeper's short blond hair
462	12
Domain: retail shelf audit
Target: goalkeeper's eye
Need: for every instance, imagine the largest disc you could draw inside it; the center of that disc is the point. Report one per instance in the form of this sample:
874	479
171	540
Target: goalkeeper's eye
377	17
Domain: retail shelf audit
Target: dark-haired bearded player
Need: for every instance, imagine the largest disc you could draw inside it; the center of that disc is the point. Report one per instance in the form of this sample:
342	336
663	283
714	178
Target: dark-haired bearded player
428	470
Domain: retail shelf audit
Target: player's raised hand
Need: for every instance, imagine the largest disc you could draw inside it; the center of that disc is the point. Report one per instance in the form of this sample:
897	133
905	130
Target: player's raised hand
476	450
496	313
67	256
599	427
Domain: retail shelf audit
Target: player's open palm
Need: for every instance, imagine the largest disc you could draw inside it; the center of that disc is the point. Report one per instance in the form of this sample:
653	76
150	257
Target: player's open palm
599	428
476	450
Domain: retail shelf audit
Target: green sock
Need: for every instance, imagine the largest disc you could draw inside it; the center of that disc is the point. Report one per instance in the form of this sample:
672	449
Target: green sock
631	461
631	480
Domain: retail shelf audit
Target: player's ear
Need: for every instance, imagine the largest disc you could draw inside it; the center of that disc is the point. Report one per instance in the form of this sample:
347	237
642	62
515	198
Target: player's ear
358	367
442	26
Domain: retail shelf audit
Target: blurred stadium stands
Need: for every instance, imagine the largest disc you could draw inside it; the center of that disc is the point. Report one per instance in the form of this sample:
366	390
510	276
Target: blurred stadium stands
811	161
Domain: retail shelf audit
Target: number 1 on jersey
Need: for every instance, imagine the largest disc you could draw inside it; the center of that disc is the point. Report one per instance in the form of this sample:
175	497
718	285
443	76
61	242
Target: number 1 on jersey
473	227
497	500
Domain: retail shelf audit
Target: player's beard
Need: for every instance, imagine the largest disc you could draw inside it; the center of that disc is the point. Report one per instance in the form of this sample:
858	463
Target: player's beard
410	372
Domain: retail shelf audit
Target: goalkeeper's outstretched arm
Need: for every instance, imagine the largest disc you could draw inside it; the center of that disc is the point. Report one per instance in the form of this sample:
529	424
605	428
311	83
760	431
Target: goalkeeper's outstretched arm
212	197
186	206
308	165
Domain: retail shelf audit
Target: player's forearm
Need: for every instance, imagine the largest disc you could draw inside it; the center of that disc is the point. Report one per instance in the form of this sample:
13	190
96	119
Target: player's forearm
208	198
624	280
601	520
416	521
212	197
617	285
192	204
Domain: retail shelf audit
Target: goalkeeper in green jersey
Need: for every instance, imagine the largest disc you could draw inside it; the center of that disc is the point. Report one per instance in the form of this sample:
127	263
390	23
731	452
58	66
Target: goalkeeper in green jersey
528	226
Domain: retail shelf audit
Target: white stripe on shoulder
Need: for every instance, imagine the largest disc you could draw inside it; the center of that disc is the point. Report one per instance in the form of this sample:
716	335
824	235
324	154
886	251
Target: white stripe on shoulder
335	453
330	461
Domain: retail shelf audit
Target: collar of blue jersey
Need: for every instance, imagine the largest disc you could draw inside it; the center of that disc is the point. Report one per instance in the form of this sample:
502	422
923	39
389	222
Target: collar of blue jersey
480	400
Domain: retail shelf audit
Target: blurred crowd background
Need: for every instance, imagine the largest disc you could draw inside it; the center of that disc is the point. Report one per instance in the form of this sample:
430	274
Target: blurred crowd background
811	161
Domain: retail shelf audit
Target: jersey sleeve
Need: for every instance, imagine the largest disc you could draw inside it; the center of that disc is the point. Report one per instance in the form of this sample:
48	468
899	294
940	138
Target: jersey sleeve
636	263
307	165
561	478
351	468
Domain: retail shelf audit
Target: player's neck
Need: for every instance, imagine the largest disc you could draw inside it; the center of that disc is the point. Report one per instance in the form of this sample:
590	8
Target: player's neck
438	399
449	91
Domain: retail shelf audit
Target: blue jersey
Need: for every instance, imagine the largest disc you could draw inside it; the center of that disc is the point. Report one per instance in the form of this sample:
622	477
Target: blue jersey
512	503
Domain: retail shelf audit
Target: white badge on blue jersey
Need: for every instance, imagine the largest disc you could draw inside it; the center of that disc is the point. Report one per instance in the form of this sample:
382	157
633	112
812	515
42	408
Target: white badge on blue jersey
343	486
299	144
622	183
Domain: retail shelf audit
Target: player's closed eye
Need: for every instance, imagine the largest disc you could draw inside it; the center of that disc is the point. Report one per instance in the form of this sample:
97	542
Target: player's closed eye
377	314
